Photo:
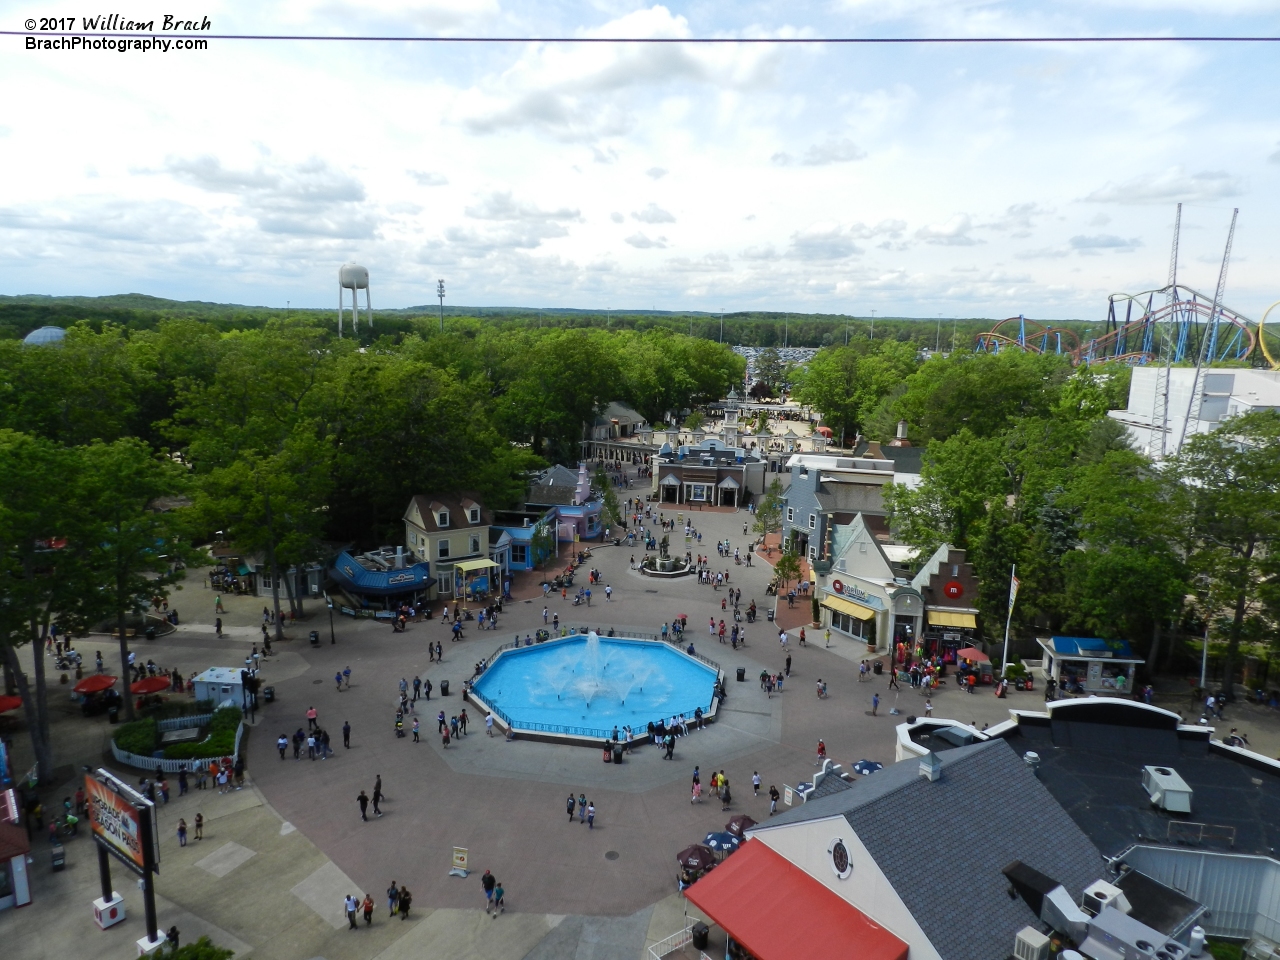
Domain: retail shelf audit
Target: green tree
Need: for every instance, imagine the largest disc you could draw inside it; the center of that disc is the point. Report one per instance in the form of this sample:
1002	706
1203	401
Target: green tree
202	949
787	569
769	512
133	543
847	384
611	509
770	368
1232	476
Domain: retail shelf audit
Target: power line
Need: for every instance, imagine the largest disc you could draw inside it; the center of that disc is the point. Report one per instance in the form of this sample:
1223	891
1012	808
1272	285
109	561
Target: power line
720	41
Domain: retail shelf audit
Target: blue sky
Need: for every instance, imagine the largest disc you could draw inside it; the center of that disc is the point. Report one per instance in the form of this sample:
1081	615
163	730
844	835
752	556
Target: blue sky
952	180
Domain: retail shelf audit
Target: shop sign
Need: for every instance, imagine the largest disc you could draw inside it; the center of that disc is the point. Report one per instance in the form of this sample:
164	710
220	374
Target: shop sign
855	593
954	589
116	819
401	578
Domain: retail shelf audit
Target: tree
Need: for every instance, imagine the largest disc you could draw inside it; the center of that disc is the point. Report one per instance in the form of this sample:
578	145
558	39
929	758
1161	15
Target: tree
769	512
846	384
1232	477
133	544
769	368
543	542
787	568
202	949
611	512
694	420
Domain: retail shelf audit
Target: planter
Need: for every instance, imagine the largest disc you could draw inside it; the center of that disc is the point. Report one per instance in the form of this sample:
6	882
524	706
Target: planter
815	625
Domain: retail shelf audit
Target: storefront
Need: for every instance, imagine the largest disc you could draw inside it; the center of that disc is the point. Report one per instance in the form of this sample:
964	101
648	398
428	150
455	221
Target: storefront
15	886
1089	665
878	613
947	629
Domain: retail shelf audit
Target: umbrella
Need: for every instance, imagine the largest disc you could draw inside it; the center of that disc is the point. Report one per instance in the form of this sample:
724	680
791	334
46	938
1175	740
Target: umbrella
94	684
150	685
973	654
722	841
9	703
696	857
739	825
866	767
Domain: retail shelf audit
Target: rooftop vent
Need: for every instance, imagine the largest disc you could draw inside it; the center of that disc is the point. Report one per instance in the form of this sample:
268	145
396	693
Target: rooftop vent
1030	944
1101	894
930	766
1167	790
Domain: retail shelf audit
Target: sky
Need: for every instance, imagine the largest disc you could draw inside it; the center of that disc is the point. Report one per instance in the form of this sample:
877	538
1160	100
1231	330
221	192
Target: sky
926	180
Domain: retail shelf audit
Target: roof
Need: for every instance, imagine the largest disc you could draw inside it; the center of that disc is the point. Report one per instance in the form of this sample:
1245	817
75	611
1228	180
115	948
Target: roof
962	906
358	578
620	412
1091	647
558	475
765	902
426	507
905	459
13	841
1092	752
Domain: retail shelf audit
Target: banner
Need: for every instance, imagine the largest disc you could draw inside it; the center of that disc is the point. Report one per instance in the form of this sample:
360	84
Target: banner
116	823
1013	591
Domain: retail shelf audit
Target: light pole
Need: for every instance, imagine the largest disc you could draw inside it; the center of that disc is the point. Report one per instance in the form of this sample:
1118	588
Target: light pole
846	331
937	343
440	294
873	325
786	331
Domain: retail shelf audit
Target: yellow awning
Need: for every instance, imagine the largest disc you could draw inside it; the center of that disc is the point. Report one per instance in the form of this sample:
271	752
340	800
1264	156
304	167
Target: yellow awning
848	607
940	618
470	566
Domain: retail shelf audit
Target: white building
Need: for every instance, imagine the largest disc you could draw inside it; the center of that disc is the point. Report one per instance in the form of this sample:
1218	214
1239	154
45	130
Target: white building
1220	394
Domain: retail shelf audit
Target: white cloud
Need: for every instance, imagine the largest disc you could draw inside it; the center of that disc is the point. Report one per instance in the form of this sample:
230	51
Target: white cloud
822	154
617	217
1018	219
426	178
657	173
1275	157
823	242
1170	186
955	232
641	242
1104	241
652	214
500	205
1099	220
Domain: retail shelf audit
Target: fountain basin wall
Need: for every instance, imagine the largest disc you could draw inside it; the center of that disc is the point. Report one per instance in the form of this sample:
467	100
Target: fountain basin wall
574	690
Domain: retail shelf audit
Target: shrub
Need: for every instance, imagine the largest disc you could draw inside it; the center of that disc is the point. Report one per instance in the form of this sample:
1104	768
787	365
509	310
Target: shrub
228	718
140	737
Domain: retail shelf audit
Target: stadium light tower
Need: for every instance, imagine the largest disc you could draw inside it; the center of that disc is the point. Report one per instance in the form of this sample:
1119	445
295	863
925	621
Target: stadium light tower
440	294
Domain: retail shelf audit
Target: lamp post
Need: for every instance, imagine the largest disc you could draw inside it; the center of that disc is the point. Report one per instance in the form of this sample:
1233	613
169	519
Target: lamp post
873	325
332	638
440	294
937	343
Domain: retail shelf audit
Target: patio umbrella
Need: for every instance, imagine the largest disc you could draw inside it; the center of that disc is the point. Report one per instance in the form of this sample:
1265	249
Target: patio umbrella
739	825
150	685
972	653
94	684
9	703
722	841
696	857
866	767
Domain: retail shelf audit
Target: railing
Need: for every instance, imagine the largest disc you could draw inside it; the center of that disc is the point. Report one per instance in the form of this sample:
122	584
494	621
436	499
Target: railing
672	943
1181	831
183	723
172	766
675	642
565	730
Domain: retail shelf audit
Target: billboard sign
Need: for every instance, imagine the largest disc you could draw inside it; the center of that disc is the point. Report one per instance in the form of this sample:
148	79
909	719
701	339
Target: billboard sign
122	821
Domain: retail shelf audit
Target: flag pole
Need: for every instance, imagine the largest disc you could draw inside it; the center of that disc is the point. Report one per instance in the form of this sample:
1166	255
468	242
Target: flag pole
1013	595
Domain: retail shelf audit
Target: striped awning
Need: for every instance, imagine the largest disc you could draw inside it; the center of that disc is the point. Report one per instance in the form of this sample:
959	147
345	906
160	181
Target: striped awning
943	618
848	607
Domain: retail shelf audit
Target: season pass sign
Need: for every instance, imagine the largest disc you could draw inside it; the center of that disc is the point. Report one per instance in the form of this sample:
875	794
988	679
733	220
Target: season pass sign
115	822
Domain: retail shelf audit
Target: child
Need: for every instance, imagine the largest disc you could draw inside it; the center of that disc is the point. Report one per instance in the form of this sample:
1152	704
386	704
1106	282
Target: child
755	783
499	904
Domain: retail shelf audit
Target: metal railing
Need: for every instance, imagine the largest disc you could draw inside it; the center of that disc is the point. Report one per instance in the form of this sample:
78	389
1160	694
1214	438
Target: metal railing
672	943
1181	831
184	723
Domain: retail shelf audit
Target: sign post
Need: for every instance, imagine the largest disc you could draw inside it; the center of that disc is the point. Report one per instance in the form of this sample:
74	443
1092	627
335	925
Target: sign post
459	868
123	823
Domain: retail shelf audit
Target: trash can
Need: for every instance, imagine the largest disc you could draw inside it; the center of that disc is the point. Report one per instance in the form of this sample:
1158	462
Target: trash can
151	633
771	615
699	934
269	694
113	714
315	638
59	855
877	667
742	674
444	688
617	753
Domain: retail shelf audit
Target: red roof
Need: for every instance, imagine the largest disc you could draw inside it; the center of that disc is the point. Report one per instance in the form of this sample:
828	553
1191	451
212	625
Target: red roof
94	683
763	900
151	685
13	841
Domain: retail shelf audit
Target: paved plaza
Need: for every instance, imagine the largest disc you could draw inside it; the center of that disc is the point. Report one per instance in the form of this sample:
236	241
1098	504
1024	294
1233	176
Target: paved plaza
279	856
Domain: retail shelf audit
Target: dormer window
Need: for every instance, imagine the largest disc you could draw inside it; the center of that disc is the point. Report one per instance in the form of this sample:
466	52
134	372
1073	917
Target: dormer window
442	518
475	514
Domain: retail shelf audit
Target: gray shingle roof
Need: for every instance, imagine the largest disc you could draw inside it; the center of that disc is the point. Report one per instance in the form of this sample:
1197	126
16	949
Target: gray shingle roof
942	844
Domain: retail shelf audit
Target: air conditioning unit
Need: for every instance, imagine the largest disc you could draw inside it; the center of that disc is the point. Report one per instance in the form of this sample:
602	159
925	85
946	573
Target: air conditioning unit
1031	944
1166	789
1101	894
1116	936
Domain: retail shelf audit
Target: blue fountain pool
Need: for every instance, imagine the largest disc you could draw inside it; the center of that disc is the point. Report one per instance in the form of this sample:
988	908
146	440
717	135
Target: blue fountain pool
592	684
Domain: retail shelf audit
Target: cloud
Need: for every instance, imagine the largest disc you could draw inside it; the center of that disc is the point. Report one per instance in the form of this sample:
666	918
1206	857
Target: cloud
953	233
1018	219
1274	158
652	214
1173	184
657	173
641	242
1104	241
766	252
823	242
500	205
822	154
616	217
607	155
427	178
1099	220
158	222
1041	253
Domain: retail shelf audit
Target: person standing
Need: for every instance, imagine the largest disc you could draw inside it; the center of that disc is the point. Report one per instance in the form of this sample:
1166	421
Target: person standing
351	906
591	815
569	805
787	670
417	688
282	744
928	707
182	833
544	616
755	783
415	730
363	800
773	800
346	734
311	718
608	593
582	808
199	825
875	703
488	724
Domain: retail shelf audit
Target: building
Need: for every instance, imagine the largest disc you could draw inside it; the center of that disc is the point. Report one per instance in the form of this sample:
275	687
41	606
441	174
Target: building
826	491
1088	665
617	421
707	473
1155	421
950	590
15	847
382	578
939	892
444	530
220	684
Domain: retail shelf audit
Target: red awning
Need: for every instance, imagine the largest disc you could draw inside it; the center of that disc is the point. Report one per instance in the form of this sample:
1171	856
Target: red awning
762	899
972	654
9	703
151	685
13	841
95	683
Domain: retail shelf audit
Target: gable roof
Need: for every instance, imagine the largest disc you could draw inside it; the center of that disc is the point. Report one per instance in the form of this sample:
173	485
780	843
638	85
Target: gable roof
428	506
843	540
961	901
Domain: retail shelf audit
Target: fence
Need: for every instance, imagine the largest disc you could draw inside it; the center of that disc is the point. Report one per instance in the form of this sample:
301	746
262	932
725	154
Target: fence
669	945
184	723
140	762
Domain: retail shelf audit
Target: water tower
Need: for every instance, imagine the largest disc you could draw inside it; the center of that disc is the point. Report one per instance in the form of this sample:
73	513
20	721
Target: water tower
353	277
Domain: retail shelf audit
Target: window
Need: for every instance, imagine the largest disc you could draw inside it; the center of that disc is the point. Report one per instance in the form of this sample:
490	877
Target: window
475	514
443	549
475	544
442	518
265	581
813	552
791	514
813	521
519	553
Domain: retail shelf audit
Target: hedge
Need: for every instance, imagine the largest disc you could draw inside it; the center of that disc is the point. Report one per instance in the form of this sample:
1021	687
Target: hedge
140	737
221	741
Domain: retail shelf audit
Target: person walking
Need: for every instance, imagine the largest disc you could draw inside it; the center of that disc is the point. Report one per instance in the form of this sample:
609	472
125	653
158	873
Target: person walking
337	678
773	800
393	899
415	730
488	882
488	724
499	901
282	744
875	703
608	593
544	616
582	808
346	677
591	815
377	795
417	688
406	901
311	718
367	908
755	783
351	905
570	804
311	746
363	800
199	826
182	833
346	734
822	753
928	707
787	669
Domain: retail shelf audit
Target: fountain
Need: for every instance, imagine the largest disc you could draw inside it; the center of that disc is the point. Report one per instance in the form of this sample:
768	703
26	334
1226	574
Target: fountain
587	685
664	565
